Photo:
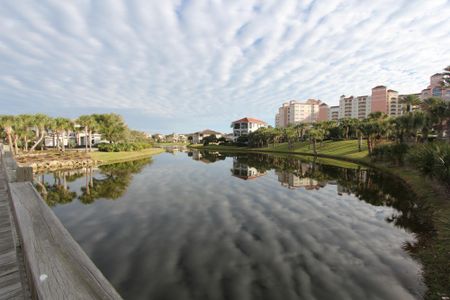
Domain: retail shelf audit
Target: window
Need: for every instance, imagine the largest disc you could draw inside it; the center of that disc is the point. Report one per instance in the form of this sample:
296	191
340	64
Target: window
237	126
437	91
244	125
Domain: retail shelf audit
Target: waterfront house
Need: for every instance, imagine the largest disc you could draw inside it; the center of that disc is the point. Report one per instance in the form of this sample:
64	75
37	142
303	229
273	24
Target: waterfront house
197	137
246	125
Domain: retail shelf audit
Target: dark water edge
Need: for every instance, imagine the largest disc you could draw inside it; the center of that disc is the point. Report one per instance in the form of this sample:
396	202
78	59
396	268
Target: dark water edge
206	225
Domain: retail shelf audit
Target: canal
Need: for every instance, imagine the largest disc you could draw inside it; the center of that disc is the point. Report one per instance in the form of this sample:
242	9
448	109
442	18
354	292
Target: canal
210	225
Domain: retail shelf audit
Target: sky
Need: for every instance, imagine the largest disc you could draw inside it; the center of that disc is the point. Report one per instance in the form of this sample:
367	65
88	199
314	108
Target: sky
187	65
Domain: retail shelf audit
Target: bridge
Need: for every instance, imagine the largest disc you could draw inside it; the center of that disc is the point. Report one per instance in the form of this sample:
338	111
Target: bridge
39	259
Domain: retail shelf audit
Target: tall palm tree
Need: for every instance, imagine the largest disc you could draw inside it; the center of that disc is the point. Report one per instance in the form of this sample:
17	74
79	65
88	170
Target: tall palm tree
27	123
437	111
316	134
41	123
300	127
6	123
347	124
85	121
62	125
410	101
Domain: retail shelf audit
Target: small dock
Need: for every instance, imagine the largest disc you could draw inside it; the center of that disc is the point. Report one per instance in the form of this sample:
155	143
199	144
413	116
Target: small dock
39	259
13	283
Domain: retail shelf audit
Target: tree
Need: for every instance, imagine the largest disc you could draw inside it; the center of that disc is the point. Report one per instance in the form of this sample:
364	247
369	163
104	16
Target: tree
446	78
85	121
41	124
6	123
347	124
301	128
410	101
437	111
111	126
316	134
374	128
62	125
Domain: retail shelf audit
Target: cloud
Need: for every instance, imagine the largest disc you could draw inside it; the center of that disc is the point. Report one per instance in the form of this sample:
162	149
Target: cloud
191	64
231	238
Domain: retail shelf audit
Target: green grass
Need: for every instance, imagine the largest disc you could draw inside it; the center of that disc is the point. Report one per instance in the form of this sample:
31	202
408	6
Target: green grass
114	157
336	148
348	149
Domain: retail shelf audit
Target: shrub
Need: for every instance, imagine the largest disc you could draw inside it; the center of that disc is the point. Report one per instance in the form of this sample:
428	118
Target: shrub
391	152
432	160
123	147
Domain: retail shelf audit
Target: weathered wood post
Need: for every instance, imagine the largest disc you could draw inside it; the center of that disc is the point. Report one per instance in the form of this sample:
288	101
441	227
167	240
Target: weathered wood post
24	174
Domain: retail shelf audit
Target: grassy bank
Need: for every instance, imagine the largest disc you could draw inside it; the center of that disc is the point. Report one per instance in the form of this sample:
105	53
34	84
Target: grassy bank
346	149
114	157
434	252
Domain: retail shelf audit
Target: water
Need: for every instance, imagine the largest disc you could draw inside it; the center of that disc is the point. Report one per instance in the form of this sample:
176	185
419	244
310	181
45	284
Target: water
249	226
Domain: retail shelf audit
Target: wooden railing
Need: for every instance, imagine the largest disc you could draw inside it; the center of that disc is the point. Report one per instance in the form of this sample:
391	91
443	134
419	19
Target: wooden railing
57	267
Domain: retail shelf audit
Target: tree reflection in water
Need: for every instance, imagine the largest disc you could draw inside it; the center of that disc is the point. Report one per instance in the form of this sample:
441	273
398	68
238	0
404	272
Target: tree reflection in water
368	185
106	182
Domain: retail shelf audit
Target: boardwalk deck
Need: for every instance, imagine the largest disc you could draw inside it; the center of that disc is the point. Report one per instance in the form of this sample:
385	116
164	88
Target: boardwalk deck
12	273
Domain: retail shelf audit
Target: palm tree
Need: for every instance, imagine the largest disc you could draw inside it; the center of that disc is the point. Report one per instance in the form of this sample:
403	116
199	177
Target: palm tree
61	126
347	124
410	101
446	78
300	127
85	121
437	111
6	123
27	123
42	123
316	134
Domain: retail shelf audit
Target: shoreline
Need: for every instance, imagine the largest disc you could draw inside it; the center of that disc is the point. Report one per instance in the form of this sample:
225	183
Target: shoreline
54	161
434	253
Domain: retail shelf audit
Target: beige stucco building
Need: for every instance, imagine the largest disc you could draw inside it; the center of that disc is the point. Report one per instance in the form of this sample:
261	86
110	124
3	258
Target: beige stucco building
435	88
294	112
386	101
354	107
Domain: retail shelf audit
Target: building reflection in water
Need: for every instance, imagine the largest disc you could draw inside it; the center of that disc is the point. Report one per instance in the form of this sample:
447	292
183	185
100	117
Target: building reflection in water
244	171
175	149
292	181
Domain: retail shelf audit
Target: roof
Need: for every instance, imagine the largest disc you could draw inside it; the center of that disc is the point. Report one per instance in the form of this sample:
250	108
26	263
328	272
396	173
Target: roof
379	87
323	104
207	131
249	120
392	91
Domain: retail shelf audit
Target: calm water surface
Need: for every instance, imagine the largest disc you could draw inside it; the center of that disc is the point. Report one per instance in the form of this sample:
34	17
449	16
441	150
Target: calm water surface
249	226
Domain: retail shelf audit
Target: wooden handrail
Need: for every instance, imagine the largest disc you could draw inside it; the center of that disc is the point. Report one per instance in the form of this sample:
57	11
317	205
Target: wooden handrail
57	266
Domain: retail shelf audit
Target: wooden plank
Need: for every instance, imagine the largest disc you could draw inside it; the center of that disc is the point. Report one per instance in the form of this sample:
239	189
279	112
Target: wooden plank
11	275
58	266
24	174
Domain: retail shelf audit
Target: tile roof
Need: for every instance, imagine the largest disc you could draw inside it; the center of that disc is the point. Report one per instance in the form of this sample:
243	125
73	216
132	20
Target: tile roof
249	120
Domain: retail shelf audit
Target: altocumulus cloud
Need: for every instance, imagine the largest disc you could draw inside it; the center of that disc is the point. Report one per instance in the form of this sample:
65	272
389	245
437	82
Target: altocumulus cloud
188	64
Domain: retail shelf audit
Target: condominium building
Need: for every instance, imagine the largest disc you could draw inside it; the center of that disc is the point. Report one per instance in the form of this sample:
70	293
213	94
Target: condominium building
354	107
386	101
294	112
324	112
435	88
246	125
333	113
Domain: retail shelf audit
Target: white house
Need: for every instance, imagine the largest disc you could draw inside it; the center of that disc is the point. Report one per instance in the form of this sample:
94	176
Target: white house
197	137
246	125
